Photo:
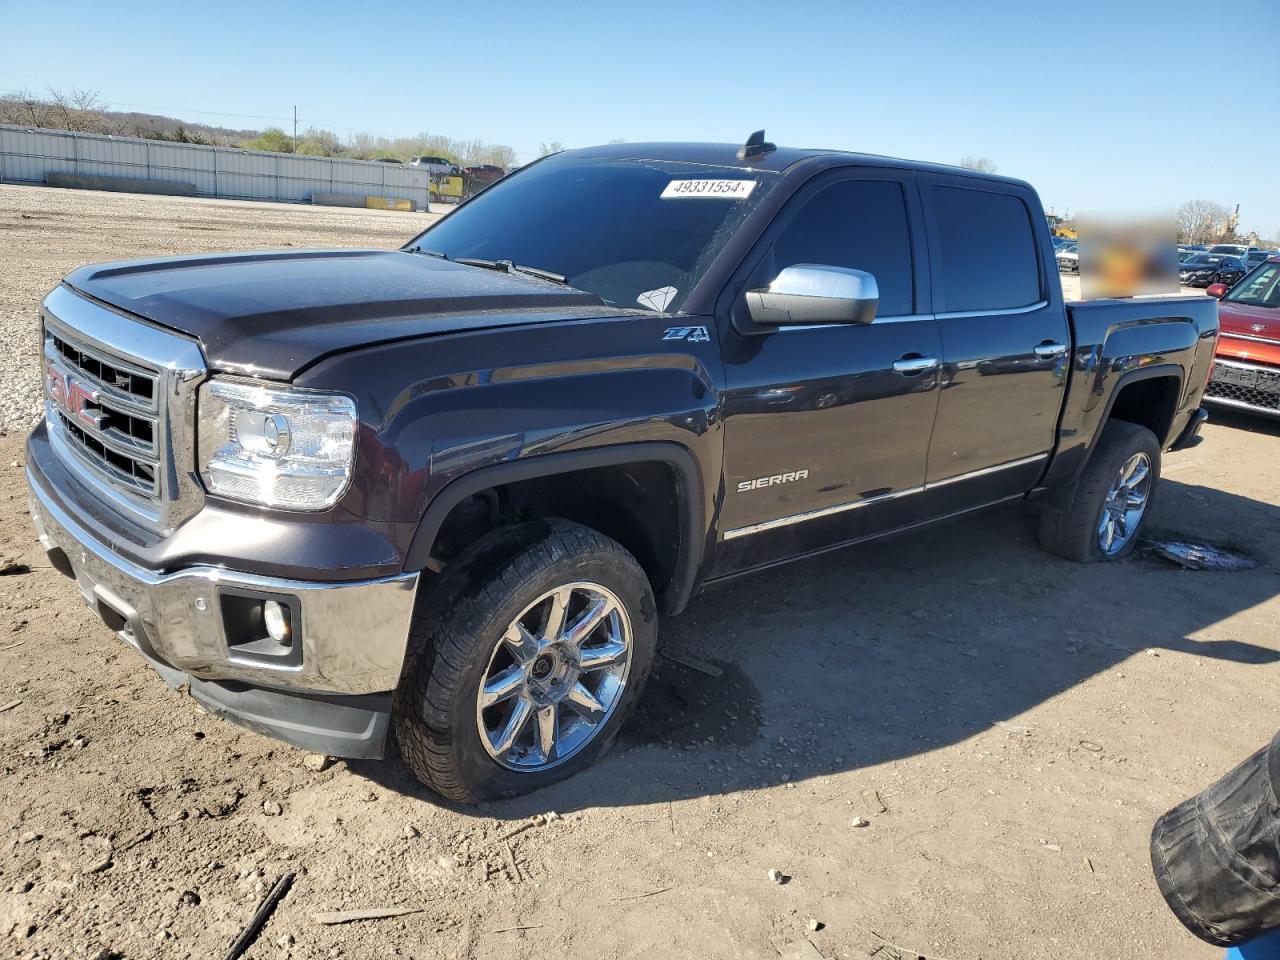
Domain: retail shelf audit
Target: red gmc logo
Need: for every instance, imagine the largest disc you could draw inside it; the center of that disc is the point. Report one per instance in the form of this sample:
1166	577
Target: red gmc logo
74	397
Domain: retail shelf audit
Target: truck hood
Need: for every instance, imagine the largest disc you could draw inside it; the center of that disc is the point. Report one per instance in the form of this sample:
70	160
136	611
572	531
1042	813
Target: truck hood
272	314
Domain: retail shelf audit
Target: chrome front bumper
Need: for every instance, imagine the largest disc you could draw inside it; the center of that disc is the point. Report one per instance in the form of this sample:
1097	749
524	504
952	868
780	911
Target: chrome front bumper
353	635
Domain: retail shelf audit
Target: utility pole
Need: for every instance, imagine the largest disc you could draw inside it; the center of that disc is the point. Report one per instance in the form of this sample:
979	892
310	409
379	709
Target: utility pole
295	128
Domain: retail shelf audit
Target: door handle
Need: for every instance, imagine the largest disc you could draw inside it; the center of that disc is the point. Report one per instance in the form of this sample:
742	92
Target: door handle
1048	350
915	364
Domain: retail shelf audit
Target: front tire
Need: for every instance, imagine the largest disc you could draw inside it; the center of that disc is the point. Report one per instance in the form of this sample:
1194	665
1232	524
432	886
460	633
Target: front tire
533	649
1112	500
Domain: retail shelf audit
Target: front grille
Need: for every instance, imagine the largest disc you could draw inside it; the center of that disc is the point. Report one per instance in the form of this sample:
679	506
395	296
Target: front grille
1264	395
107	409
119	407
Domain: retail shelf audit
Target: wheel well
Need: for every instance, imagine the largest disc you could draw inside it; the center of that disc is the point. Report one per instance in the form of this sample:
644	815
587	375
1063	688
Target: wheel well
1150	403
636	504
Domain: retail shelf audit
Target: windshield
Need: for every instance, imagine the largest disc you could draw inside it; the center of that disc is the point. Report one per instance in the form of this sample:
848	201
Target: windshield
1203	261
633	232
1227	248
1260	289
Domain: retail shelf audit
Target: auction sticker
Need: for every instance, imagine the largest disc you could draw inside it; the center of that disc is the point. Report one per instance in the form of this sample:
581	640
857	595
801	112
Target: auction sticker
725	189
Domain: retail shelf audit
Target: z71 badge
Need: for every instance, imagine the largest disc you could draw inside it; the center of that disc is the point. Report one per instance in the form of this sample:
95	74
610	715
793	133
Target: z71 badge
692	334
746	486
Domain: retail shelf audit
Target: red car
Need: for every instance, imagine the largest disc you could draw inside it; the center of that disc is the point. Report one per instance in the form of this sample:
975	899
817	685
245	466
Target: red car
1246	368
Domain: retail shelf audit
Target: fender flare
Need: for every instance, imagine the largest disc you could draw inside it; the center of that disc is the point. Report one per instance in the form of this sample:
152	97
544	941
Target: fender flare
1158	371
688	494
1065	492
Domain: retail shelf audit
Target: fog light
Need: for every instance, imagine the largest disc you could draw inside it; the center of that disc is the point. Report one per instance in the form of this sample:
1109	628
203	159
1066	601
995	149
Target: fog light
275	617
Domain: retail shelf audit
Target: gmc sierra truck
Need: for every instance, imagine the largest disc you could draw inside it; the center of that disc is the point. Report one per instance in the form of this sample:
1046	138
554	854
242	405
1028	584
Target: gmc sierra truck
450	490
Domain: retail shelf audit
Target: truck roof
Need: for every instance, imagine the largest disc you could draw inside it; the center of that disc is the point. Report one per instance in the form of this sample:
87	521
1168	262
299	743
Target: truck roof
779	160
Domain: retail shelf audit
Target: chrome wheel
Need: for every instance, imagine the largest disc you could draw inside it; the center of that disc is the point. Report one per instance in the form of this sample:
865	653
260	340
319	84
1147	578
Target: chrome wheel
555	677
1125	504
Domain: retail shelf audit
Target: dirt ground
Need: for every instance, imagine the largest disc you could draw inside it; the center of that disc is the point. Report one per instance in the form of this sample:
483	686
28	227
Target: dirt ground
1009	723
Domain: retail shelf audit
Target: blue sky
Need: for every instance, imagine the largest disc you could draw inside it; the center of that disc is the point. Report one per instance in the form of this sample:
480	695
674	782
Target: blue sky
1099	104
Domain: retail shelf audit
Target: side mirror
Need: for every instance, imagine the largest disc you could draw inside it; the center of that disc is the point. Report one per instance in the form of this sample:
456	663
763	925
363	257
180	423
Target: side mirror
815	293
1217	290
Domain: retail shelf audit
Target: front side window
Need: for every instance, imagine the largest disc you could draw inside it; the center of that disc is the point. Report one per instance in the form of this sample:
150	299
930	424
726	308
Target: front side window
988	250
637	233
854	223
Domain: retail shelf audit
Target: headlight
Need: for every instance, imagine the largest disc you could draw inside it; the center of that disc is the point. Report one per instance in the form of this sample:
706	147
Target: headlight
275	446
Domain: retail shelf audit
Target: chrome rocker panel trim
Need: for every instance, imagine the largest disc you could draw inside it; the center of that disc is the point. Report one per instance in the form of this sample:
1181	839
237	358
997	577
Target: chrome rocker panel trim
868	501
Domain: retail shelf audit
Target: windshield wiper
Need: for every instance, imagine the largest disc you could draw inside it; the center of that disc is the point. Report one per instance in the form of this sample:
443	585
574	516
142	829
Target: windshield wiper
508	267
430	253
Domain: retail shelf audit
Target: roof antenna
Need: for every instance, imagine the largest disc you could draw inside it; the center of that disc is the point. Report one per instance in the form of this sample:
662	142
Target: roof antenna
755	147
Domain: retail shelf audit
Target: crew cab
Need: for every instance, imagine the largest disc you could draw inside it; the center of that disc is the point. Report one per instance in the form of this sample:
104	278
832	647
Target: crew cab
1246	370
451	490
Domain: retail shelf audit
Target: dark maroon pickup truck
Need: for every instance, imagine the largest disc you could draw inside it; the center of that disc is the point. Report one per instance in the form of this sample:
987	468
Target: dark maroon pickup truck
451	490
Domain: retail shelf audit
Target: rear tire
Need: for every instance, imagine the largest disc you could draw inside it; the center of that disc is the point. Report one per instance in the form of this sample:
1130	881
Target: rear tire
499	626
1078	533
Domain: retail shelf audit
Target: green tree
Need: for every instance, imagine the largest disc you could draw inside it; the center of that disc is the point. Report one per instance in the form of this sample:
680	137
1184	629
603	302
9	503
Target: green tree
272	140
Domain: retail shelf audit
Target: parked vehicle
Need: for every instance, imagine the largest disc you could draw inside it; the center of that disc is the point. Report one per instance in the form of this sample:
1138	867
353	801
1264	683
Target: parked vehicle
453	489
1185	255
481	176
1246	369
1208	268
1237	250
1257	257
1068	257
387	160
437	166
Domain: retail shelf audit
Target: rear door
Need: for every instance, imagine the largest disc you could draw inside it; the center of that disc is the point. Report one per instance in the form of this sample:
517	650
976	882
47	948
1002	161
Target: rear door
1005	341
827	425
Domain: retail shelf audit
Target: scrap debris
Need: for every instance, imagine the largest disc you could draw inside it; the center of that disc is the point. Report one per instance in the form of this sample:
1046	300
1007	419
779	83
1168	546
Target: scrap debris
693	663
875	803
254	926
1199	556
369	913
1015	728
641	896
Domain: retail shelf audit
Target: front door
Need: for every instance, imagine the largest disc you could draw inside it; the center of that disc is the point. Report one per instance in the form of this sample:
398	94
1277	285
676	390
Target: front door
827	425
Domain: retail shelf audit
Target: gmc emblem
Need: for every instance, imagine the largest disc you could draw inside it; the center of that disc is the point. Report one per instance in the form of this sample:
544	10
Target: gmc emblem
75	398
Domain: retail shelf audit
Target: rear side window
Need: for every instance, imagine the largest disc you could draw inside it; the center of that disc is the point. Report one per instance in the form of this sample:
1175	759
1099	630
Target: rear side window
988	250
860	224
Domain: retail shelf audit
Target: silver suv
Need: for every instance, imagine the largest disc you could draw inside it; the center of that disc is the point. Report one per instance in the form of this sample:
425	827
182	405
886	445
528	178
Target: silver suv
437	166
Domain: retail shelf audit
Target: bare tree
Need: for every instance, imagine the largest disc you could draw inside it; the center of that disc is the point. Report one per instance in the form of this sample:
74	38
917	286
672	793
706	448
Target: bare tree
981	164
555	146
25	109
1200	220
75	109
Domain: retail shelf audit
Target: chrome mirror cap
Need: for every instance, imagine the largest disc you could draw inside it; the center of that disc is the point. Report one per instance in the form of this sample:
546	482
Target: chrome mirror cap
816	293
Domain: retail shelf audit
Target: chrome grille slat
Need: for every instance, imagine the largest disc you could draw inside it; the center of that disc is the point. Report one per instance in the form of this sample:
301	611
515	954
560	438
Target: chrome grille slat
134	475
129	442
131	386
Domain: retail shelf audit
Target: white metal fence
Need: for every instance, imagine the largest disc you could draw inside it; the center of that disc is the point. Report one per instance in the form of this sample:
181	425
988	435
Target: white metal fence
27	155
